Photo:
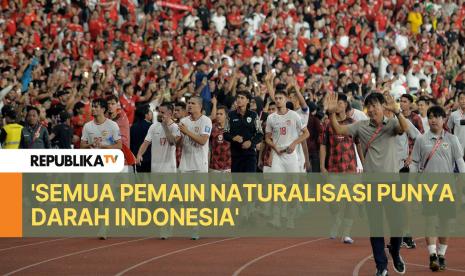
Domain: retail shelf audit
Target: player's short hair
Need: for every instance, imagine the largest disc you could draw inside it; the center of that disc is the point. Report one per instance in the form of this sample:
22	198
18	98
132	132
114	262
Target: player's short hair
436	111
168	106
222	107
102	103
462	93
408	97
374	98
112	98
423	99
181	105
244	93
198	99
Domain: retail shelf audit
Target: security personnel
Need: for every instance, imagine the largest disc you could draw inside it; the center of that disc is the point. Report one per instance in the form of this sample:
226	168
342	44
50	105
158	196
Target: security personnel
34	135
10	134
244	132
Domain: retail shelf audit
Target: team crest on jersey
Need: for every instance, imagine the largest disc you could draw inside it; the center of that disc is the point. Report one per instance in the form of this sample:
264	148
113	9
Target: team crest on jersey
220	138
105	134
288	122
249	120
196	129
445	146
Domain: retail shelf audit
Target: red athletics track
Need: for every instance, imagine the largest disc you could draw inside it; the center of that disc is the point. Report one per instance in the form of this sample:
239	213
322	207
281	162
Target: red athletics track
207	256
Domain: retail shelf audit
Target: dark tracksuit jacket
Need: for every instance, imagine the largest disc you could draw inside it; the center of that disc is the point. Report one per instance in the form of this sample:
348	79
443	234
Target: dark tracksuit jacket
249	127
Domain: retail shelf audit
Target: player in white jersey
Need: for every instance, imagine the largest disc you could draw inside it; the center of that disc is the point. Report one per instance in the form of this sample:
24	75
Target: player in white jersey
163	135
423	104
284	131
196	129
301	107
100	133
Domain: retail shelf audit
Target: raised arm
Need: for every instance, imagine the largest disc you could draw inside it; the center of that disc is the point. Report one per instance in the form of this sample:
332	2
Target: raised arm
331	105
303	103
393	107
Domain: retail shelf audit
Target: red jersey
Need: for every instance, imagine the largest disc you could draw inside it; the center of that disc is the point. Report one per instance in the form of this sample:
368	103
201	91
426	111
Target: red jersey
382	21
95	28
220	151
129	106
78	122
123	125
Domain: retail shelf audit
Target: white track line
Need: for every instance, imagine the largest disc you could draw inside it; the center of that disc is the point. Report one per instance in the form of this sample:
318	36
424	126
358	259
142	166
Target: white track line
420	265
360	264
364	260
271	253
72	254
170	253
447	269
31	244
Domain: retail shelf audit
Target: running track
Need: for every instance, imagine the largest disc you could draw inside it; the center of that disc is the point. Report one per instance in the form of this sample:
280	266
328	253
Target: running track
207	256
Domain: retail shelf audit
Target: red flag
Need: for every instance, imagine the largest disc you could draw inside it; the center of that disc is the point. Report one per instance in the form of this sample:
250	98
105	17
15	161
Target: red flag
129	158
174	6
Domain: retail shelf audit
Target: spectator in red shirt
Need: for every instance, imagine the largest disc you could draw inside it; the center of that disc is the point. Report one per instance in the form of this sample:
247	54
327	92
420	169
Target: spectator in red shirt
118	115
128	100
96	26
78	121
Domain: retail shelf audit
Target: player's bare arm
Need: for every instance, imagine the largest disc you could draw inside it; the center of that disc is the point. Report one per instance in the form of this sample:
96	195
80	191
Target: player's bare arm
269	142
302	137
143	148
172	140
199	139
393	107
117	145
331	106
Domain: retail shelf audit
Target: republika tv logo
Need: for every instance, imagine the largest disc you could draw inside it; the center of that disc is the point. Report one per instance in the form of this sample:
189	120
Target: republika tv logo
72	160
59	160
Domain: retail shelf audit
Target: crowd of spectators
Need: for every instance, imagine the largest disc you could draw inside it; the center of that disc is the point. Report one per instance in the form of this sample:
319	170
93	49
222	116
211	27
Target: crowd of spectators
59	56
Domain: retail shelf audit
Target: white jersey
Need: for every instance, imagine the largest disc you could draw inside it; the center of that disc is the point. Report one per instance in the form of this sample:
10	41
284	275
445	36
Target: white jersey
304	115
285	128
424	121
163	154
107	133
194	156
